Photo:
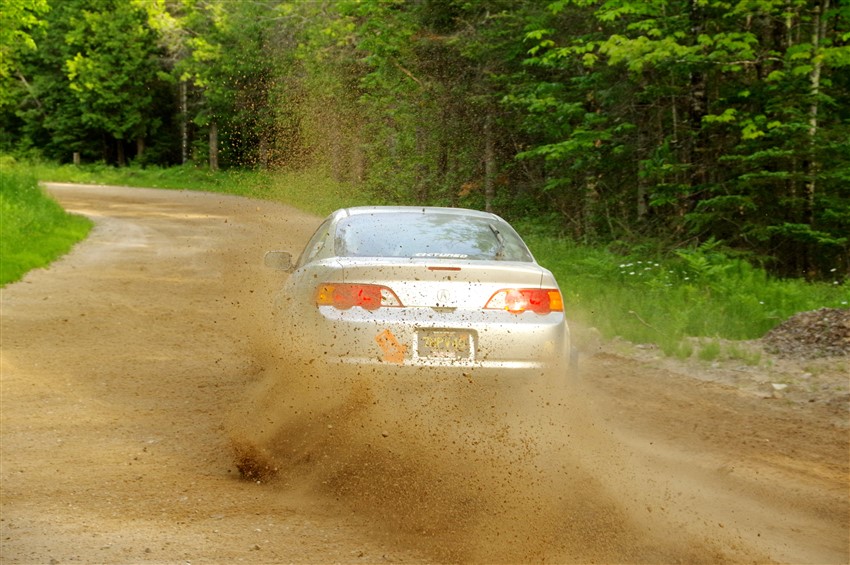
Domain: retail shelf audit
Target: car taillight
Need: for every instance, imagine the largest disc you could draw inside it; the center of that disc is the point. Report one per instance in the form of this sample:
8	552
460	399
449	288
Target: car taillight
348	295
518	300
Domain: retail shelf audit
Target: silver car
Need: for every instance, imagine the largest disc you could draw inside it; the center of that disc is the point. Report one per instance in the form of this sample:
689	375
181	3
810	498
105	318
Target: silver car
420	289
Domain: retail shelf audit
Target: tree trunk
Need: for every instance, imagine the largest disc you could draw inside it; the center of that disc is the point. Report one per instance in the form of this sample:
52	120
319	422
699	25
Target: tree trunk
818	34
358	158
184	126
697	105
642	191
423	192
591	205
140	147
489	164
336	146
813	166
213	146
263	153
122	160
442	177
451	178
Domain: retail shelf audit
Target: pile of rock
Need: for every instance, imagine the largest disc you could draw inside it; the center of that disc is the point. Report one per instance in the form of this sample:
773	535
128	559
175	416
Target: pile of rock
808	335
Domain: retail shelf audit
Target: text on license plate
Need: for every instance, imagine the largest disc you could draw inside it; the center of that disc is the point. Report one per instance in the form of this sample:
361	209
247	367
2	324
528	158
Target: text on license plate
444	344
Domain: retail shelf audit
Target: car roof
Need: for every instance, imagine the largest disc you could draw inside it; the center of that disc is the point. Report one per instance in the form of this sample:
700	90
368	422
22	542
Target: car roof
360	210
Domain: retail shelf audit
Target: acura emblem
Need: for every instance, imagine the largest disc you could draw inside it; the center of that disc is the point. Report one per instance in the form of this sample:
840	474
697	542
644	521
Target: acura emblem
443	296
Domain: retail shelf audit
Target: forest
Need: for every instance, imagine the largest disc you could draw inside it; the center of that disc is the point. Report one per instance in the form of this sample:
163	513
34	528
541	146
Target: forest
667	123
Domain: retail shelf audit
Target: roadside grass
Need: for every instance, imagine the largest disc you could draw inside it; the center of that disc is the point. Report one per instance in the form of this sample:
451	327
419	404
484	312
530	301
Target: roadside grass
691	303
313	191
696	293
34	230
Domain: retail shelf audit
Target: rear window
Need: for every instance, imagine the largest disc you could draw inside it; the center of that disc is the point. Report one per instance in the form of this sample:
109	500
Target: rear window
429	235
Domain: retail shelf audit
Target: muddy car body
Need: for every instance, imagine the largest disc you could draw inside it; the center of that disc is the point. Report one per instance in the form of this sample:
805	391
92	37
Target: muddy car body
415	289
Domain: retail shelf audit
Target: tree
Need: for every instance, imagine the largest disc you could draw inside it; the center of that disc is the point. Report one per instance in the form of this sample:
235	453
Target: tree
679	120
44	116
115	71
225	58
17	19
728	117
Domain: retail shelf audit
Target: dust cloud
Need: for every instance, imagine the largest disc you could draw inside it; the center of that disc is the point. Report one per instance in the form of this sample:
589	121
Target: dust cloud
462	469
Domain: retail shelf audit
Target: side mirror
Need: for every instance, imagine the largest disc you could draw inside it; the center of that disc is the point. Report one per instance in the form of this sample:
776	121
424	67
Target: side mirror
278	260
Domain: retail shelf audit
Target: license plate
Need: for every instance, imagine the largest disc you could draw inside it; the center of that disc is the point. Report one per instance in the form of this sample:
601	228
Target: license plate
444	344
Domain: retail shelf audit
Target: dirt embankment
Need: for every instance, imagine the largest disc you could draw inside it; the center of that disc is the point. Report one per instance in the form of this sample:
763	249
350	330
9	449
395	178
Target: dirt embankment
139	369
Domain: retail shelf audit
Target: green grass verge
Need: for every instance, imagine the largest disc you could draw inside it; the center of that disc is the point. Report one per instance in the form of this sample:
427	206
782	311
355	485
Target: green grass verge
34	229
695	293
312	191
666	300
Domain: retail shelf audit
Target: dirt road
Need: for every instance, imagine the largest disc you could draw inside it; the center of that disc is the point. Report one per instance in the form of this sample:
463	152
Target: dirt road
137	366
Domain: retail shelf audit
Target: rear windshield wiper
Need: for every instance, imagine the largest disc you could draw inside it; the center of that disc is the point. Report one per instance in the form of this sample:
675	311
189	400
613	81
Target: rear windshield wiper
500	251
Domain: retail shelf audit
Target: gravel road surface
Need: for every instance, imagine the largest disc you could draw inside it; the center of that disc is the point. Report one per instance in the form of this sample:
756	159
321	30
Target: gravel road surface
140	369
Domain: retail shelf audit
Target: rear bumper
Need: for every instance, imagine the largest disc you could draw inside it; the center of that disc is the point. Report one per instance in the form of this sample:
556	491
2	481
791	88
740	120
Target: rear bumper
391	340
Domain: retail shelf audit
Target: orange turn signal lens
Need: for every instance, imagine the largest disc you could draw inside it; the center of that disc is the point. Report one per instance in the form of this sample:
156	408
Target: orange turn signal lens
346	295
518	300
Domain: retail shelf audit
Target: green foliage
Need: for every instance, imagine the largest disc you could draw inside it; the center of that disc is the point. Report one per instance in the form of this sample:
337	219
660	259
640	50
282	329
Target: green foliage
112	68
684	121
35	230
17	20
184	177
709	351
95	86
222	53
663	298
731	120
